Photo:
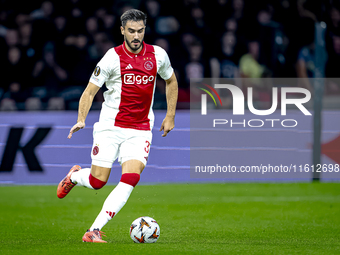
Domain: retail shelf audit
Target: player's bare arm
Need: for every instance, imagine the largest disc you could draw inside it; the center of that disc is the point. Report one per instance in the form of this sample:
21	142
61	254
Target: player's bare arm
85	104
171	98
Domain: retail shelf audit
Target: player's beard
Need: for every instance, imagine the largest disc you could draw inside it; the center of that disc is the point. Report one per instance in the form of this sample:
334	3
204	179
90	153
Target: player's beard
132	47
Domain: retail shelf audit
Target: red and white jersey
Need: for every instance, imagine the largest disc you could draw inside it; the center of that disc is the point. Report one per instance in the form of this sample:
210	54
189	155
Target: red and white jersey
130	80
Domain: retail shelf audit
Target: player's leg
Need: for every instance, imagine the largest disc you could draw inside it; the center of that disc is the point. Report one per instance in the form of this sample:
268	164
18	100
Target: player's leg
116	200
118	197
94	178
133	155
104	153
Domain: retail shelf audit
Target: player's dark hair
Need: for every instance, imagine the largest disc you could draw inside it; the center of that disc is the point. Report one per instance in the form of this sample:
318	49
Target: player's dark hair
133	15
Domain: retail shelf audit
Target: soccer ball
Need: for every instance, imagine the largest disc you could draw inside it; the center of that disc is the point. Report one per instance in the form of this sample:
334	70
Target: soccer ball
144	230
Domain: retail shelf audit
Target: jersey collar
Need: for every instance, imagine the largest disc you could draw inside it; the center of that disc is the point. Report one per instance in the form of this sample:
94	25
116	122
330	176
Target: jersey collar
131	55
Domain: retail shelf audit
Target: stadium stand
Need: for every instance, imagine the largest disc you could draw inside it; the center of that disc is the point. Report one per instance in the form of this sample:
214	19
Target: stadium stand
50	48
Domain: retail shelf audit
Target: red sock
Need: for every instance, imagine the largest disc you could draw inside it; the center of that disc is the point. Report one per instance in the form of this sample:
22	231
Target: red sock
96	183
130	178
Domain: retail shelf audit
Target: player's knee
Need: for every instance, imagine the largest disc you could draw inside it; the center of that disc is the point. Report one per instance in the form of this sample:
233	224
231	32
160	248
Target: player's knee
96	183
130	178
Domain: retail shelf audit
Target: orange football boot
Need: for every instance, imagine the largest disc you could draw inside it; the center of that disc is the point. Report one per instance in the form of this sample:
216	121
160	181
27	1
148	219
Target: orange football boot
94	236
66	184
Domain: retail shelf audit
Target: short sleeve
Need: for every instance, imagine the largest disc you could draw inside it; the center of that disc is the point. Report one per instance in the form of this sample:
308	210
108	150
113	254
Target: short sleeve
165	69
103	70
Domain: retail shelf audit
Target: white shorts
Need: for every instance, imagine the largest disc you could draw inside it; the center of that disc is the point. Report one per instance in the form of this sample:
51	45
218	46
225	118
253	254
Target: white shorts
110	143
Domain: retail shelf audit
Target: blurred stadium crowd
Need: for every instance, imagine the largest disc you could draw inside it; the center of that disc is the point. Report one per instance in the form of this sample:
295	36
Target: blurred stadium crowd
50	48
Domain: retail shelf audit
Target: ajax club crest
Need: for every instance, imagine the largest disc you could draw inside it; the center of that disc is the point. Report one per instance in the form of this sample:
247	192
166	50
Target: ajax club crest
148	65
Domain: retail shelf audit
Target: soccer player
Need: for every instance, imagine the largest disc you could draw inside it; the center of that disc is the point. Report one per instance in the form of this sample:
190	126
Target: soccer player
126	118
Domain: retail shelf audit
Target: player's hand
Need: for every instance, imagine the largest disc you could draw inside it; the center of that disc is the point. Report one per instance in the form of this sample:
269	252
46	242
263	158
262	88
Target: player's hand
167	125
75	128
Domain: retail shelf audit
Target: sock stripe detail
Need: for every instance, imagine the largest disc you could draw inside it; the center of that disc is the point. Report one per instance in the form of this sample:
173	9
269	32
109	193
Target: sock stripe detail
96	183
111	214
130	178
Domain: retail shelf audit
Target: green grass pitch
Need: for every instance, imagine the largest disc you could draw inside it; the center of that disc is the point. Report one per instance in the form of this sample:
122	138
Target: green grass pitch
230	218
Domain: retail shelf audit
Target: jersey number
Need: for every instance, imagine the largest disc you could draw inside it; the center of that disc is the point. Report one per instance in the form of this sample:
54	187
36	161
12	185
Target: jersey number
147	147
